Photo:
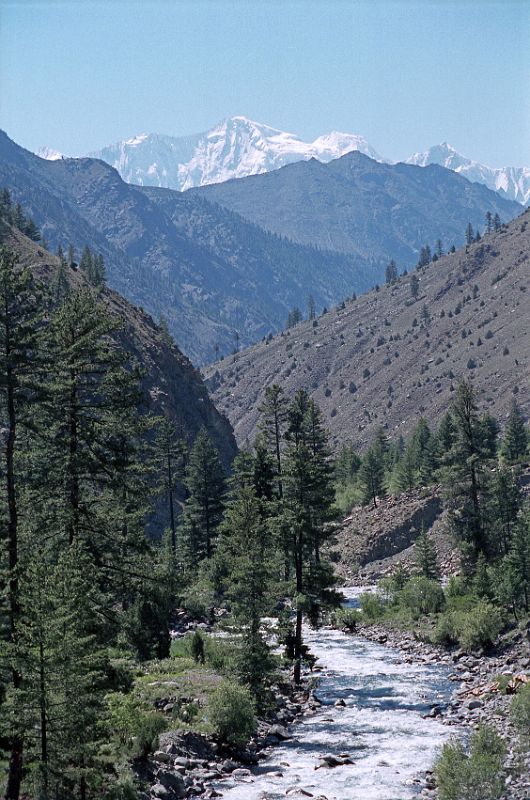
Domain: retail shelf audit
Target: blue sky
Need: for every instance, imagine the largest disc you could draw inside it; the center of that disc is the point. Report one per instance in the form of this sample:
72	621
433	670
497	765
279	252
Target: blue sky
77	75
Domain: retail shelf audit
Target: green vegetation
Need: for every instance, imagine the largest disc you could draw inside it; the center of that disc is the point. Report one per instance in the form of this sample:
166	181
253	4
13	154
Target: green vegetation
475	775
231	713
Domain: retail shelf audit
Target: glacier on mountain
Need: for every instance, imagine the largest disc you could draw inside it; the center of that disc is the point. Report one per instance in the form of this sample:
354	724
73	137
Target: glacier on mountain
238	147
513	182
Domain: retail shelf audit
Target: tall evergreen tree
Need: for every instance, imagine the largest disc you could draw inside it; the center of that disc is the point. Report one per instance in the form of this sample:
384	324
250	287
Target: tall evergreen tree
273	418
465	475
205	483
371	475
20	319
515	442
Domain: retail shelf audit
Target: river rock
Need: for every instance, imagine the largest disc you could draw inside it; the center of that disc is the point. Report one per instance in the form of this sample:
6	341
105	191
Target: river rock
161	757
173	782
474	704
280	732
159	791
339	703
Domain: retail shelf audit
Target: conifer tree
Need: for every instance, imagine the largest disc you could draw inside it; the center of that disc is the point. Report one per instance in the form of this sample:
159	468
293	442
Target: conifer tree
205	483
306	510
391	272
414	286
273	413
465	475
515	442
426	557
246	545
371	474
171	453
20	319
470	235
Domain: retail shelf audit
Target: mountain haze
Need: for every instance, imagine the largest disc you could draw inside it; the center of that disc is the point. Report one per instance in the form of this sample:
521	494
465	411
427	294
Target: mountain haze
362	207
512	182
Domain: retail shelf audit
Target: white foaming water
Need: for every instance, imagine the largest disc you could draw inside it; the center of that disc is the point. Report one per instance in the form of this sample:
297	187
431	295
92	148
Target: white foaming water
381	727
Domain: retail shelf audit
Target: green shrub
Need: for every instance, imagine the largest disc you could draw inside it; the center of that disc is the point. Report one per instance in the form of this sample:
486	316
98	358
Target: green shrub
520	711
445	632
135	729
478	627
474	776
231	713
346	618
372	606
422	596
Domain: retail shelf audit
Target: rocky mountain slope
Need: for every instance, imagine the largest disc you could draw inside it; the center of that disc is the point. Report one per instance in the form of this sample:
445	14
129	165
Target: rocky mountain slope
234	148
359	206
511	182
386	358
214	276
171	384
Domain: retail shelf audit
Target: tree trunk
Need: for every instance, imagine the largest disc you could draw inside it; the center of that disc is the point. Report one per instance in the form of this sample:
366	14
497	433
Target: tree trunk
14	777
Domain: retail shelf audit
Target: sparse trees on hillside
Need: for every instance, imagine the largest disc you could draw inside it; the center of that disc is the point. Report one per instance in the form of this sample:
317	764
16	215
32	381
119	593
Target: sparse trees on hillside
391	272
414	286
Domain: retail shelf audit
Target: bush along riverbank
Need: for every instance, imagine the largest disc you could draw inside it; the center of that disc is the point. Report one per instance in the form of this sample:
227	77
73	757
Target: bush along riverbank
186	724
490	667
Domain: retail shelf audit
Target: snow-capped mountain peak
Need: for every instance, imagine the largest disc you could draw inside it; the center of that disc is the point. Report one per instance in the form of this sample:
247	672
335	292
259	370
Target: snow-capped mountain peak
513	182
238	146
49	154
234	148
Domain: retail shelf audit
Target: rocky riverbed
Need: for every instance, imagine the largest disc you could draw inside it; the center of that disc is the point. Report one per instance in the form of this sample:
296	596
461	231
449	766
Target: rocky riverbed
478	696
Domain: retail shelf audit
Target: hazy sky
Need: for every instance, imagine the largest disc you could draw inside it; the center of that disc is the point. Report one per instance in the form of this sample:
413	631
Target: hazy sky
76	75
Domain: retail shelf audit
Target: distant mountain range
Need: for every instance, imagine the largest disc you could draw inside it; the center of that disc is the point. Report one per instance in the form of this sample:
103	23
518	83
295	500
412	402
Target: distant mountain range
220	281
238	147
362	207
512	182
224	264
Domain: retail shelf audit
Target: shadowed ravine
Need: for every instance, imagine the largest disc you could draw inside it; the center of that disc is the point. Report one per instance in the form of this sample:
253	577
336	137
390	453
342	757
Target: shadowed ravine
381	728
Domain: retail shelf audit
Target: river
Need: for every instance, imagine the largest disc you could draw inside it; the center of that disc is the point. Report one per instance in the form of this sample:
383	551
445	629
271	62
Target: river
381	727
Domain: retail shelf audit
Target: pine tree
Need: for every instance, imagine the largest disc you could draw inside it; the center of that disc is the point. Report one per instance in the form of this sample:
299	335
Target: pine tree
306	511
439	248
60	280
414	287
311	310
515	442
465	475
86	264
391	273
21	314
426	557
205	483
371	474
470	235
489	222
171	454
497	222
246	545
273	413
517	564
70	256
504	502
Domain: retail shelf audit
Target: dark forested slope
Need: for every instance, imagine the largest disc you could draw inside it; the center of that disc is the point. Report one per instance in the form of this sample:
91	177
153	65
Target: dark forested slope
170	383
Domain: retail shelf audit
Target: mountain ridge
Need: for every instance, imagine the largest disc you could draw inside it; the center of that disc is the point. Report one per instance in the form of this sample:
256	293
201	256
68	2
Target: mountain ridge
387	357
237	147
209	272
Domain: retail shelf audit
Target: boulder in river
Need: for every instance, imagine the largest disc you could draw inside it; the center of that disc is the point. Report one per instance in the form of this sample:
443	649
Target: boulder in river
280	732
